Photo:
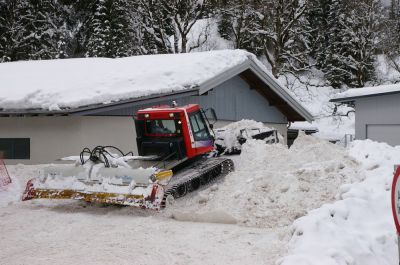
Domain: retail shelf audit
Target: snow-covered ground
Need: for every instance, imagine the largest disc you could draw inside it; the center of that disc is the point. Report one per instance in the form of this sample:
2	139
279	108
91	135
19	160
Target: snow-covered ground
357	229
338	200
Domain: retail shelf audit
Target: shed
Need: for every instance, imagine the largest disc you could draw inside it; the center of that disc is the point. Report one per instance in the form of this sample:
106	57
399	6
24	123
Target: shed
377	112
53	108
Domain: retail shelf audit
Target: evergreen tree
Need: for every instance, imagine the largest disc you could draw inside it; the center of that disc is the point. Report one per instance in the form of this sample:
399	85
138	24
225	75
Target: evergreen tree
110	30
31	30
283	34
10	31
155	27
390	40
43	31
318	38
239	20
353	36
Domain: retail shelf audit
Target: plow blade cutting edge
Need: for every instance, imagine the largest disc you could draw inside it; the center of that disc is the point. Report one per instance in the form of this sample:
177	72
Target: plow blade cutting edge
142	188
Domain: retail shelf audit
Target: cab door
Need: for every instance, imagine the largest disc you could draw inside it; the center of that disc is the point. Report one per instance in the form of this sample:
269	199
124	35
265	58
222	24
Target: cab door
204	141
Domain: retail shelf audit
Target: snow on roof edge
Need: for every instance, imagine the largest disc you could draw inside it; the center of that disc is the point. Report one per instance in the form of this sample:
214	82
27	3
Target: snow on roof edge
354	93
71	83
230	59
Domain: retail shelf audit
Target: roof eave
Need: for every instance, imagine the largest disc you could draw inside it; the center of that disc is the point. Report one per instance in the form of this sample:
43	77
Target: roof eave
281	91
251	65
342	100
353	98
92	109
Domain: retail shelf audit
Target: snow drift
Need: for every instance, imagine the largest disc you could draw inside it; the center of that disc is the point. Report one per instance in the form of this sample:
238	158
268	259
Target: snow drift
273	185
358	229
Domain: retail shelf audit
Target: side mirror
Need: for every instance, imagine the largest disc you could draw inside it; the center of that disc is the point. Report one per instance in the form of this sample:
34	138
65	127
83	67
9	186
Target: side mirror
211	126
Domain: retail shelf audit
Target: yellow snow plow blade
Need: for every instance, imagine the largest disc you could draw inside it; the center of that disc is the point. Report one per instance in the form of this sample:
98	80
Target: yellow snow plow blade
101	197
145	194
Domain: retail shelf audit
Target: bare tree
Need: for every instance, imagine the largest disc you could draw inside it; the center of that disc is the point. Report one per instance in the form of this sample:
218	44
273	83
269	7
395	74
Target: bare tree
168	22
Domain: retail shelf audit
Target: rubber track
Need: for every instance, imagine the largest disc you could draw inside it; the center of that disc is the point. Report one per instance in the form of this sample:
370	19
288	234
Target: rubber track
201	176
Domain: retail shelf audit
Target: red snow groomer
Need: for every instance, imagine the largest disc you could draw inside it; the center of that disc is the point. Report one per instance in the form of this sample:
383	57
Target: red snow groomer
174	146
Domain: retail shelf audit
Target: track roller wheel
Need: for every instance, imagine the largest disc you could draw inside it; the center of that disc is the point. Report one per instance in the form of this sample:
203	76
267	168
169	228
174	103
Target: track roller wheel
205	179
181	190
195	184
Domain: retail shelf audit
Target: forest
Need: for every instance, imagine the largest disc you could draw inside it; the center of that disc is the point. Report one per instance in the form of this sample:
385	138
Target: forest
340	38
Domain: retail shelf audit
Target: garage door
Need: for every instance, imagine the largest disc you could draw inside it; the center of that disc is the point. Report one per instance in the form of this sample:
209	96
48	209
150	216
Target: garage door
389	133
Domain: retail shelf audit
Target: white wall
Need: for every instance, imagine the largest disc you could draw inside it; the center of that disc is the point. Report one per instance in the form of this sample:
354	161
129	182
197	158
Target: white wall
381	111
52	138
55	137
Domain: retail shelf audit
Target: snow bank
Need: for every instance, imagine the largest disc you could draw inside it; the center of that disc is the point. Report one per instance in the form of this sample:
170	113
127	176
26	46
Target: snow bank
358	229
20	174
70	83
273	185
10	193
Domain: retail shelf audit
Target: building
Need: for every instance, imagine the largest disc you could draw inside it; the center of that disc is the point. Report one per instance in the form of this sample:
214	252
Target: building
377	112
51	109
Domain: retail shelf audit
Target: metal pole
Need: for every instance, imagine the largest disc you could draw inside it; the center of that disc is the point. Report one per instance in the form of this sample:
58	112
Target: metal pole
398	245
398	235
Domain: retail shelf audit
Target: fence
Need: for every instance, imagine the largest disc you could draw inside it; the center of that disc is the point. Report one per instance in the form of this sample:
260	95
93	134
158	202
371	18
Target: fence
346	140
4	176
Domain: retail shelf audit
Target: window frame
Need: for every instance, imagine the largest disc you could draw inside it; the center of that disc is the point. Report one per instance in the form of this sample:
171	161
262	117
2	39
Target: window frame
177	127
18	148
204	129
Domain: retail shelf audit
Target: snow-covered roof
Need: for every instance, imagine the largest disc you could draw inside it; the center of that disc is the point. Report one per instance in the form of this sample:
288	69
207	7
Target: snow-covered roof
354	93
68	84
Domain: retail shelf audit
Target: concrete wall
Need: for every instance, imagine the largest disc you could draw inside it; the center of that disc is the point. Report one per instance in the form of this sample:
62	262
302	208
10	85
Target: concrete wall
55	137
377	117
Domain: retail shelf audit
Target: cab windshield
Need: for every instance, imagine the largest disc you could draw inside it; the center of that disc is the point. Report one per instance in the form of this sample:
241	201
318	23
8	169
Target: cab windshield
163	127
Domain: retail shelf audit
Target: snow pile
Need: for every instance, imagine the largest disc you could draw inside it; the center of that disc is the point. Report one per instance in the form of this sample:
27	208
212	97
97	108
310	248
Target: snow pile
273	185
80	82
358	229
227	136
19	175
10	193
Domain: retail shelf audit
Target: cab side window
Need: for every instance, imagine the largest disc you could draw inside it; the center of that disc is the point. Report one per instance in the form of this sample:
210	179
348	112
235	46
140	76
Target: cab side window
199	127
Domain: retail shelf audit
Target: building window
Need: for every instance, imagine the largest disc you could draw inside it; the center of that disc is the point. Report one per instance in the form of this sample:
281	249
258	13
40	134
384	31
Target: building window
15	148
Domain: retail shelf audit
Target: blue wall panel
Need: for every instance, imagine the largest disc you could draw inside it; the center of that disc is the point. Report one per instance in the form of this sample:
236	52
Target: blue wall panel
232	100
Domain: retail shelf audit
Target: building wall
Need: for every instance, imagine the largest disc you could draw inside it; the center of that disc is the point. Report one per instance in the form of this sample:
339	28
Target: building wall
52	138
55	137
378	118
232	100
